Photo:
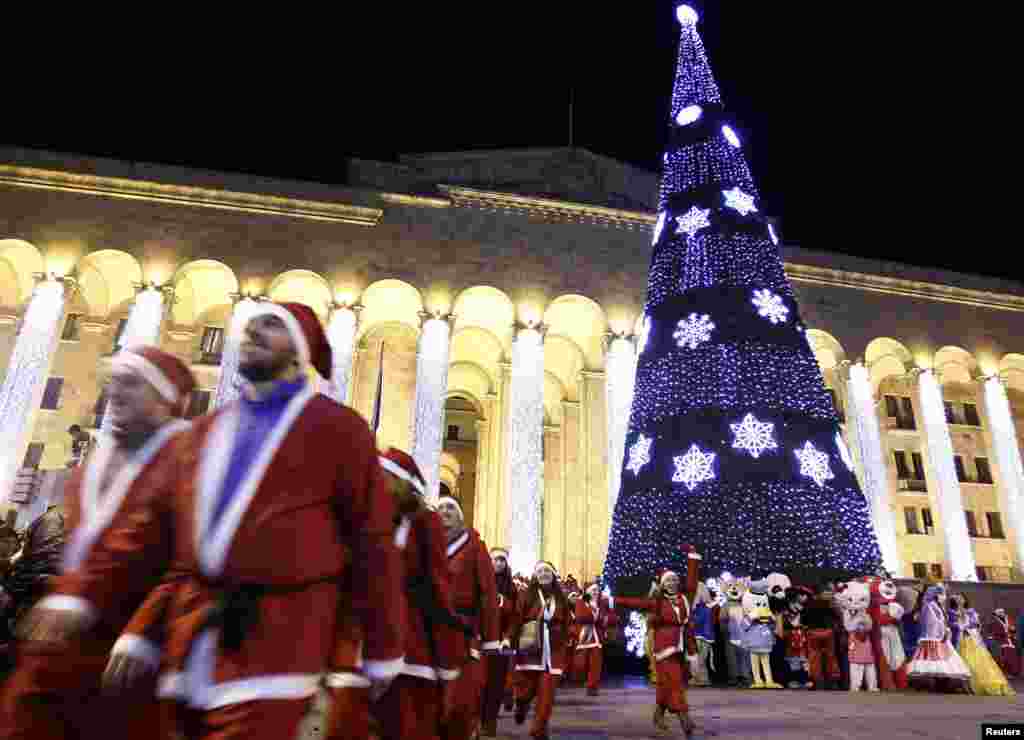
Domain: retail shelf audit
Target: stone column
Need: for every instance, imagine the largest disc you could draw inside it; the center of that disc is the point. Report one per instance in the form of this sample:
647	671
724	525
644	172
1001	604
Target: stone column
575	506
341	333
431	387
595	465
27	372
948	494
499	455
482	501
620	369
1009	471
228	386
145	320
525	434
863	418
554	499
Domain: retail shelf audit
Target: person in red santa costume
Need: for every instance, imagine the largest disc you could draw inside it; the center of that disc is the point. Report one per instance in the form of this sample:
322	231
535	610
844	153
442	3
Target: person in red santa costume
268	516
594	618
475	601
539	633
498	662
886	614
668	615
56	691
412	707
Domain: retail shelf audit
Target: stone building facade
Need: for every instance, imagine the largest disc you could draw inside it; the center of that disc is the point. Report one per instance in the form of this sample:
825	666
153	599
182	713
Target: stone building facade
485	247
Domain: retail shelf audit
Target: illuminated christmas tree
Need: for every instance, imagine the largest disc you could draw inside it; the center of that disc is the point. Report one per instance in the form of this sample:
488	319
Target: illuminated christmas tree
733	444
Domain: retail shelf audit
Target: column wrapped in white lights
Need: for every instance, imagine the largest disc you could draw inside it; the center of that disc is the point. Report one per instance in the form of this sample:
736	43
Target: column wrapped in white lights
431	387
341	333
940	455
27	371
525	452
143	326
620	376
228	386
1008	458
876	478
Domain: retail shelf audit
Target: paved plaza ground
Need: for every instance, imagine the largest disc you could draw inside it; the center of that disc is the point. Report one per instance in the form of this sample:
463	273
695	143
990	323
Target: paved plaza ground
623	710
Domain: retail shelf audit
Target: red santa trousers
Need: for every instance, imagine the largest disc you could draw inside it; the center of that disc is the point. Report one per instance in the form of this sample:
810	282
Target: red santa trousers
591	661
349	715
494	691
59	695
410	710
465	714
265	719
540	685
821	655
672	684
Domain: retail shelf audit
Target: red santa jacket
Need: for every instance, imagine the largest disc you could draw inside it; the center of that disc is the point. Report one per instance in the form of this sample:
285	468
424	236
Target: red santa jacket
669	617
91	514
302	508
474	594
593	622
557	620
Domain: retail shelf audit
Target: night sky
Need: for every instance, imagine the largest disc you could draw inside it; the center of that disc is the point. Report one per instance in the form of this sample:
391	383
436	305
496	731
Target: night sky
839	104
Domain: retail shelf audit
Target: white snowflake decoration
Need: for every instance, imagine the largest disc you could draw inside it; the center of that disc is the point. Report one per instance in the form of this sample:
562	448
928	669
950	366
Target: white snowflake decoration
639	454
814	464
658	227
636	634
739	201
770	306
753	436
693	467
645	332
844	451
693	331
693	221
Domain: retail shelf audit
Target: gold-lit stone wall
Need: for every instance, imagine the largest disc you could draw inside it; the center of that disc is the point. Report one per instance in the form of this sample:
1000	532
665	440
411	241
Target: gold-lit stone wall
490	258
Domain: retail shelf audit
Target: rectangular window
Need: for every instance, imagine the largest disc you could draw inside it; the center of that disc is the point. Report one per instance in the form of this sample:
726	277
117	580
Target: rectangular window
984	471
936	569
982	572
34	455
920	570
902	470
198	404
120	334
892	407
995	525
950	416
51	396
910	517
70	332
453	432
100	409
971	415
907	414
212	343
961	473
918	465
926	520
972	524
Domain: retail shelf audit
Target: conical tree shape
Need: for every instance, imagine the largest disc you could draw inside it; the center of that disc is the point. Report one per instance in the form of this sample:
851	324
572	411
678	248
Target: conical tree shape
734	445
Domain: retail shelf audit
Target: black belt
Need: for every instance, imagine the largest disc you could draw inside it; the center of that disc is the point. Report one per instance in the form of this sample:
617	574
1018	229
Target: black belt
236	610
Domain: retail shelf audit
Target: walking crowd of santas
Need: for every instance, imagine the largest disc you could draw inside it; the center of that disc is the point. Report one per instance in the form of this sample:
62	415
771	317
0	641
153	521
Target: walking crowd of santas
216	574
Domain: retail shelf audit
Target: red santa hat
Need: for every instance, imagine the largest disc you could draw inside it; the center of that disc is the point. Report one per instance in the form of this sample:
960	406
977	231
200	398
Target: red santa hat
547	563
664	576
307	334
499	552
169	376
402	466
453	502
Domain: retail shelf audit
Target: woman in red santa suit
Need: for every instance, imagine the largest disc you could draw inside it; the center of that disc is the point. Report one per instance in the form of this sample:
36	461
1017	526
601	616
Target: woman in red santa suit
498	662
593	618
411	709
540	634
475	601
56	690
668	615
